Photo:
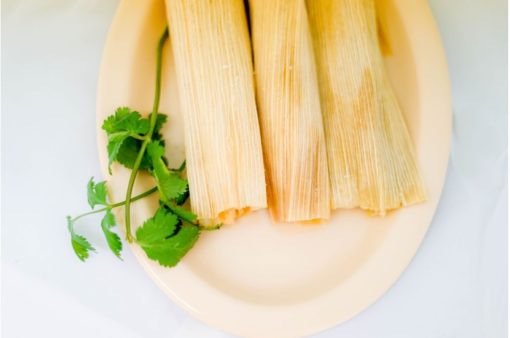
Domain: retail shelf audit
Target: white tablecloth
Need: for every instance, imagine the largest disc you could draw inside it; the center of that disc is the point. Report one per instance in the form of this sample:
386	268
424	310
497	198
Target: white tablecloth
455	286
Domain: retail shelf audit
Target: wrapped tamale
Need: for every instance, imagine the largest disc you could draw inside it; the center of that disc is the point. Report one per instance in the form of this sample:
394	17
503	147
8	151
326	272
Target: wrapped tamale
371	160
211	47
289	111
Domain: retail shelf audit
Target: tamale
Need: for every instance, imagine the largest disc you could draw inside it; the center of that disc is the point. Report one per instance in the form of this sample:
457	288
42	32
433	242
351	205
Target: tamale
370	153
212	53
289	111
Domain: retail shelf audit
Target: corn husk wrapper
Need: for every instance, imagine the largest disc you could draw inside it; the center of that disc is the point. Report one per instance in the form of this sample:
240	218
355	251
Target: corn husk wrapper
289	111
370	153
212	52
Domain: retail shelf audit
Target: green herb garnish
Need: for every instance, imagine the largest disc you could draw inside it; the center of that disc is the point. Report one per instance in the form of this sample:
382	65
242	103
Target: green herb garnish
136	143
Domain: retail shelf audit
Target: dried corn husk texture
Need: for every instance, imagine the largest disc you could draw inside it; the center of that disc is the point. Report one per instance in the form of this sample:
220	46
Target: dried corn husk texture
289	111
214	70
370	153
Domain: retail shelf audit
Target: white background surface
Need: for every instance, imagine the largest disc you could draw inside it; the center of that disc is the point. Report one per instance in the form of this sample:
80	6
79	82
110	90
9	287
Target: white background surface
455	286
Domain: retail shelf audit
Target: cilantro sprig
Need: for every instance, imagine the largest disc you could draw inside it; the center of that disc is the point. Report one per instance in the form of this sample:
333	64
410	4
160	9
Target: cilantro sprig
165	239
97	194
147	138
136	143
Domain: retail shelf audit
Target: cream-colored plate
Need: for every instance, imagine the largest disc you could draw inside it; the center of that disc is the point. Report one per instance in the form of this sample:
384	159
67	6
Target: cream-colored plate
260	279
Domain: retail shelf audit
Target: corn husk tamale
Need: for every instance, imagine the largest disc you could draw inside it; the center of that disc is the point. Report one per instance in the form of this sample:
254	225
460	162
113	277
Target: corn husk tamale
212	52
370	153
289	111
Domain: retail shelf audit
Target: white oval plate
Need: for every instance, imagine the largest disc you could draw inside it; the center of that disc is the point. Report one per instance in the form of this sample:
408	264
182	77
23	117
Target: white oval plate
260	279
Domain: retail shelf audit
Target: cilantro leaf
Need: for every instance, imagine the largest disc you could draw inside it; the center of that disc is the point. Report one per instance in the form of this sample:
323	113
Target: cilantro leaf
163	241
170	184
156	150
128	152
125	129
163	224
182	213
160	121
126	120
96	193
182	198
80	244
113	240
115	142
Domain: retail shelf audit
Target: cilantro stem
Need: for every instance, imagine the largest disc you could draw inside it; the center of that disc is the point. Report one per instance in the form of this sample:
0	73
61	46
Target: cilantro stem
148	136
138	137
116	205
